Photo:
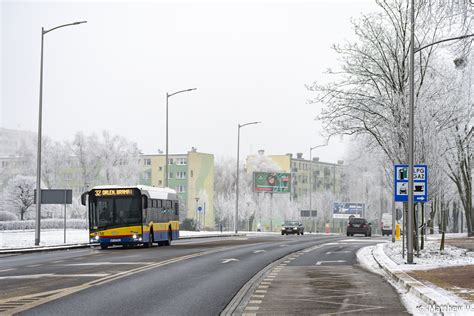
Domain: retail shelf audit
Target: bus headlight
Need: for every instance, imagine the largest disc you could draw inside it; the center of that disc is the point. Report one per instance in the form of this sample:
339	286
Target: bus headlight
134	236
96	237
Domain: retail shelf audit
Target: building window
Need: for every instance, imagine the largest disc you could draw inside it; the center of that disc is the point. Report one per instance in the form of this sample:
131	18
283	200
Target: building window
160	168
147	162
180	189
181	175
181	161
147	175
191	173
170	175
160	182
170	161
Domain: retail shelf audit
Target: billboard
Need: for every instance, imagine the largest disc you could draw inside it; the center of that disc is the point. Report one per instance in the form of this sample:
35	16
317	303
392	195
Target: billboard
272	182
347	209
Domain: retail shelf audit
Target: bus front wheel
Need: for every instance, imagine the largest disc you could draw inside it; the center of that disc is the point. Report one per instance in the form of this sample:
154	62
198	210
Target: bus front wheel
104	246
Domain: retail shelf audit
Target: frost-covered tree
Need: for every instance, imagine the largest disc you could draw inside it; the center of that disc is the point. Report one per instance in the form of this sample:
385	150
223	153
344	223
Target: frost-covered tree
86	150
54	160
19	195
119	160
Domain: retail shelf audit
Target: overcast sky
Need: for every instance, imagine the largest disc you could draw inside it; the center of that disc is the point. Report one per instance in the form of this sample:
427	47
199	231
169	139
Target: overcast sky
249	61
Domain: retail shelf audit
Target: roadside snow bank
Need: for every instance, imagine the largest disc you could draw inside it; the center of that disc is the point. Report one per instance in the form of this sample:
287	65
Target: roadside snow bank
430	257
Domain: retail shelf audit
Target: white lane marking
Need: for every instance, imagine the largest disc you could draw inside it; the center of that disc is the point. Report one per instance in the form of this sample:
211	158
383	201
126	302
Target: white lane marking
58	261
330	252
229	260
252	308
283	245
53	275
255	302
33	266
265	283
263	286
104	263
260	291
259	251
363	240
258	296
337	261
5	270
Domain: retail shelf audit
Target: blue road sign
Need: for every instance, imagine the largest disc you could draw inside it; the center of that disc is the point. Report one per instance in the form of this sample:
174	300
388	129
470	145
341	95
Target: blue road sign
420	183
199	208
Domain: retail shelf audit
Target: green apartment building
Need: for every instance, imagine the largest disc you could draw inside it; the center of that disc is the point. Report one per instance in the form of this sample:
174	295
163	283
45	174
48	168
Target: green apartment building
191	175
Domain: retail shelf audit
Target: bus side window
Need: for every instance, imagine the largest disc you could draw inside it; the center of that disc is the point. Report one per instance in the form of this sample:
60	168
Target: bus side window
144	202
176	208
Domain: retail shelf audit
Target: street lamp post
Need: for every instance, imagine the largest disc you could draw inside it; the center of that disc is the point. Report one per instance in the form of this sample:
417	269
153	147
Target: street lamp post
411	141
311	173
236	219
168	95
40	116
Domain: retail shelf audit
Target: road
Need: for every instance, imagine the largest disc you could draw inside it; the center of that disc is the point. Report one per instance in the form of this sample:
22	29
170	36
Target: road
195	277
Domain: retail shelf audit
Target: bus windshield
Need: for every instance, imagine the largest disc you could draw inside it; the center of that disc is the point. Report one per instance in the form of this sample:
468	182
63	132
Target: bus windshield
114	212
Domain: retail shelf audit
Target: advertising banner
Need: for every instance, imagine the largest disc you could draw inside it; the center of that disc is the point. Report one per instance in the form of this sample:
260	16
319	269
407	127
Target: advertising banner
347	209
272	182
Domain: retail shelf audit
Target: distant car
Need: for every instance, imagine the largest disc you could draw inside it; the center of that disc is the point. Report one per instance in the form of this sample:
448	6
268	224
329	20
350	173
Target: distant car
359	225
292	227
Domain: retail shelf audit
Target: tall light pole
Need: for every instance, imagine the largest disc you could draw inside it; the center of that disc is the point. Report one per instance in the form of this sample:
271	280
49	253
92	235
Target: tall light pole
311	173
411	124
40	116
168	95
236	219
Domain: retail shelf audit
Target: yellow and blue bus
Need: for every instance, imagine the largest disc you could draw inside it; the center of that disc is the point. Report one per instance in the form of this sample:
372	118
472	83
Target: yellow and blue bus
132	215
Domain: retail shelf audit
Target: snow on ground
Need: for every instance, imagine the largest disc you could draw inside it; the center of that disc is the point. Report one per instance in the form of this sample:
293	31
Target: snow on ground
51	237
430	257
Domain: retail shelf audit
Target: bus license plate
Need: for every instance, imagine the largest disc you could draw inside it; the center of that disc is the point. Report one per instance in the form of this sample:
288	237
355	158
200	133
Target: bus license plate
115	240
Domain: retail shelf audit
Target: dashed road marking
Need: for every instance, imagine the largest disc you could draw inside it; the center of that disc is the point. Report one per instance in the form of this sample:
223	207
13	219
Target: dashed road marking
104	263
252	308
53	275
331	252
329	261
33	266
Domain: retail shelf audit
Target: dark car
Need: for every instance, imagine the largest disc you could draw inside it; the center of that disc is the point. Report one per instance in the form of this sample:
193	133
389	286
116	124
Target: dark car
359	226
292	227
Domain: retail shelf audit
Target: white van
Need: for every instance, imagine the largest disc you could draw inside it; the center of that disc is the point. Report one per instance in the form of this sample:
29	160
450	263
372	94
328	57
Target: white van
386	224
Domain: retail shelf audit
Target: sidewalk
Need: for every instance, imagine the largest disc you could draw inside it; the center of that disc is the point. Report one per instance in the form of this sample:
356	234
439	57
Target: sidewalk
445	282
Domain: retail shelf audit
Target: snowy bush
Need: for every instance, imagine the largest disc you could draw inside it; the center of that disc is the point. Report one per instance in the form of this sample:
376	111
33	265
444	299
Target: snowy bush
7	216
45	224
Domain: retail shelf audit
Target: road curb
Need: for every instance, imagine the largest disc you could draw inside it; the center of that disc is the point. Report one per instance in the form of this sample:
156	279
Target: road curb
86	245
438	298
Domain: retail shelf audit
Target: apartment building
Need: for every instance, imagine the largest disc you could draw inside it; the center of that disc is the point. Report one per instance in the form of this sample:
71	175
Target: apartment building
191	175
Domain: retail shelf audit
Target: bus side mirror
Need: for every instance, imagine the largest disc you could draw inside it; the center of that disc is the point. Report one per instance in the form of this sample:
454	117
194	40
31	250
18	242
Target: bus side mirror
83	198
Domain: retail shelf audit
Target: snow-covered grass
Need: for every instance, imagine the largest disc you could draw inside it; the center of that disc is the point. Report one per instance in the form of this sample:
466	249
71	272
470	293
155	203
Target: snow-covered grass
430	257
51	237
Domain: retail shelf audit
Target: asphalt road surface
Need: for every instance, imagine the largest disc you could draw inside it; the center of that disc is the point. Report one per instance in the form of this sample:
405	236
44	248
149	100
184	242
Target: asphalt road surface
195	277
